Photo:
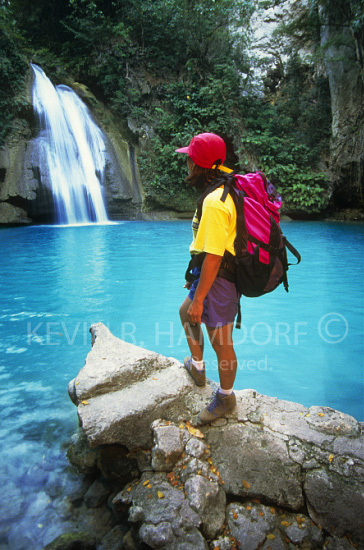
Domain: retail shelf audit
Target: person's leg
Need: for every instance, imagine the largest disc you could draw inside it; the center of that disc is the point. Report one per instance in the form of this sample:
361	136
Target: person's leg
194	365
224	399
194	334
221	339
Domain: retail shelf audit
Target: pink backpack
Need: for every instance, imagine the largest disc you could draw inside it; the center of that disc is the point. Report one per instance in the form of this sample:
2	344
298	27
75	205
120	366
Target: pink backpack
261	202
260	264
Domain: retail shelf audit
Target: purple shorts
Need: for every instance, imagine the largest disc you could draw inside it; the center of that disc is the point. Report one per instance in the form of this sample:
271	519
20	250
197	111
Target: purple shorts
221	303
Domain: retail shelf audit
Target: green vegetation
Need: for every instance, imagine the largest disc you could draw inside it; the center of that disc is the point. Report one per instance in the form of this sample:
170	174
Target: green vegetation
12	71
174	68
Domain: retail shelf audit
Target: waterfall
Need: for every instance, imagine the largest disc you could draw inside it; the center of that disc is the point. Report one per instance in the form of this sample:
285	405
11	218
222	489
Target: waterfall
71	152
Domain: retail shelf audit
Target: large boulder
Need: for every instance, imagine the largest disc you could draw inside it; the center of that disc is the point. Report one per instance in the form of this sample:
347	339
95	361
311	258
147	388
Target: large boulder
122	385
273	474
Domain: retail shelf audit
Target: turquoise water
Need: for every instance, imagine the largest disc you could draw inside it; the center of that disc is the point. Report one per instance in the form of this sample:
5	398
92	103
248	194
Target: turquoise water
304	346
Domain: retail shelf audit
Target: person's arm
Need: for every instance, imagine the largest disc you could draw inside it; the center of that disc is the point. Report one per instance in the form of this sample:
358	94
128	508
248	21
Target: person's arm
210	268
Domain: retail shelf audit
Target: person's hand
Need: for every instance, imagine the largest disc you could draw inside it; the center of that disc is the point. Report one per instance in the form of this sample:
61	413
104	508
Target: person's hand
187	285
194	313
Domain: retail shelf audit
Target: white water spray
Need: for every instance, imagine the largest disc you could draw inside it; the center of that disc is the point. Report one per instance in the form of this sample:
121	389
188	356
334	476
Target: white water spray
72	150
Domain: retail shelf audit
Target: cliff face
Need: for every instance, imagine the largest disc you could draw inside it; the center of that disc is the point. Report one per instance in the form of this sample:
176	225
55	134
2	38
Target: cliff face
273	474
24	199
341	60
344	66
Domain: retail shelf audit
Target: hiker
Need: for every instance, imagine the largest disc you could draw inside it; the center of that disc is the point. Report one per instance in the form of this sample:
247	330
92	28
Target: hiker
212	299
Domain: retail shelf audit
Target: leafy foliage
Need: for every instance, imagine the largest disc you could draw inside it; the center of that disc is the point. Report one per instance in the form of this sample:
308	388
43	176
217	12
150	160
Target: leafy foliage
291	135
173	68
12	69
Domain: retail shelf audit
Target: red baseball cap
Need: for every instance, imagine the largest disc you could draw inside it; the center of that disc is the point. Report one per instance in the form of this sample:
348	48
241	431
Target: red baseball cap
205	150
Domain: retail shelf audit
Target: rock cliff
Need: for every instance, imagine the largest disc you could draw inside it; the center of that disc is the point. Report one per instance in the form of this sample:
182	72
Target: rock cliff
344	65
340	59
272	475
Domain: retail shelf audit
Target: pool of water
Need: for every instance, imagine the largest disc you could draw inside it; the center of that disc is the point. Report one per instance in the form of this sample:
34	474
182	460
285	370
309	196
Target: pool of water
304	346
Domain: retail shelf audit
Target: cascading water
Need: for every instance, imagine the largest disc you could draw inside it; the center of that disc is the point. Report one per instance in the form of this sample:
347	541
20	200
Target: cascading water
71	152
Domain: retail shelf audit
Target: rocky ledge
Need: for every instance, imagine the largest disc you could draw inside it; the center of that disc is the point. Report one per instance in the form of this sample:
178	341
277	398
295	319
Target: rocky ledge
273	475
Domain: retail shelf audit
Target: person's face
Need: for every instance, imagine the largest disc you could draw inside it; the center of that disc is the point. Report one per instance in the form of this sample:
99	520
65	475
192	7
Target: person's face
190	165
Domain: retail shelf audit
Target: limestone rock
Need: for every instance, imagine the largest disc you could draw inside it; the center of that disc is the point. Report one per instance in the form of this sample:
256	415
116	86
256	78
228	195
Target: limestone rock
257	464
344	68
10	214
208	499
116	464
307	463
122	385
334	502
270	47
164	516
168	447
97	494
80	455
113	540
69	541
250	524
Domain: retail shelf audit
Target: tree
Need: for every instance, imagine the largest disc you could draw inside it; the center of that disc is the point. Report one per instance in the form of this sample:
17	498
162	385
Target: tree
12	69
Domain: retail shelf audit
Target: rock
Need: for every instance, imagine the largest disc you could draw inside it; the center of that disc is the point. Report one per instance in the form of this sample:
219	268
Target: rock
113	540
10	215
19	187
73	541
14	495
168	447
97	494
196	448
115	372
115	463
250	524
257	464
344	68
81	456
128	542
290	474
338	544
334	502
272	48
300	530
162	513
156	535
208	499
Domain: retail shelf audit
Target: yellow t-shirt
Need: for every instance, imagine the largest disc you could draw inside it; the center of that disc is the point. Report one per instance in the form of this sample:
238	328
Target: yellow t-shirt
216	231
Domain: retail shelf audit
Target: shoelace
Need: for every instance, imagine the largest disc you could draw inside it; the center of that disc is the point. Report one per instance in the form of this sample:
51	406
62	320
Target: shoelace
214	403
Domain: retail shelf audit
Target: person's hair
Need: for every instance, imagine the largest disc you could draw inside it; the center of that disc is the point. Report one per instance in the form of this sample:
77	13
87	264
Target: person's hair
200	176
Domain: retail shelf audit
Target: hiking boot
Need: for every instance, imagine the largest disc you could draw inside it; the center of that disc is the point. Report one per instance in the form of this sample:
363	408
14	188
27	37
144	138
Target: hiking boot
199	376
219	406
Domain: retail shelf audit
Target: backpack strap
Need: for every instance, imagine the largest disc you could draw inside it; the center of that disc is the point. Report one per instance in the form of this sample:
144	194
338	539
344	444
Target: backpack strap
215	184
242	235
228	181
195	261
292	250
268	247
241	232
